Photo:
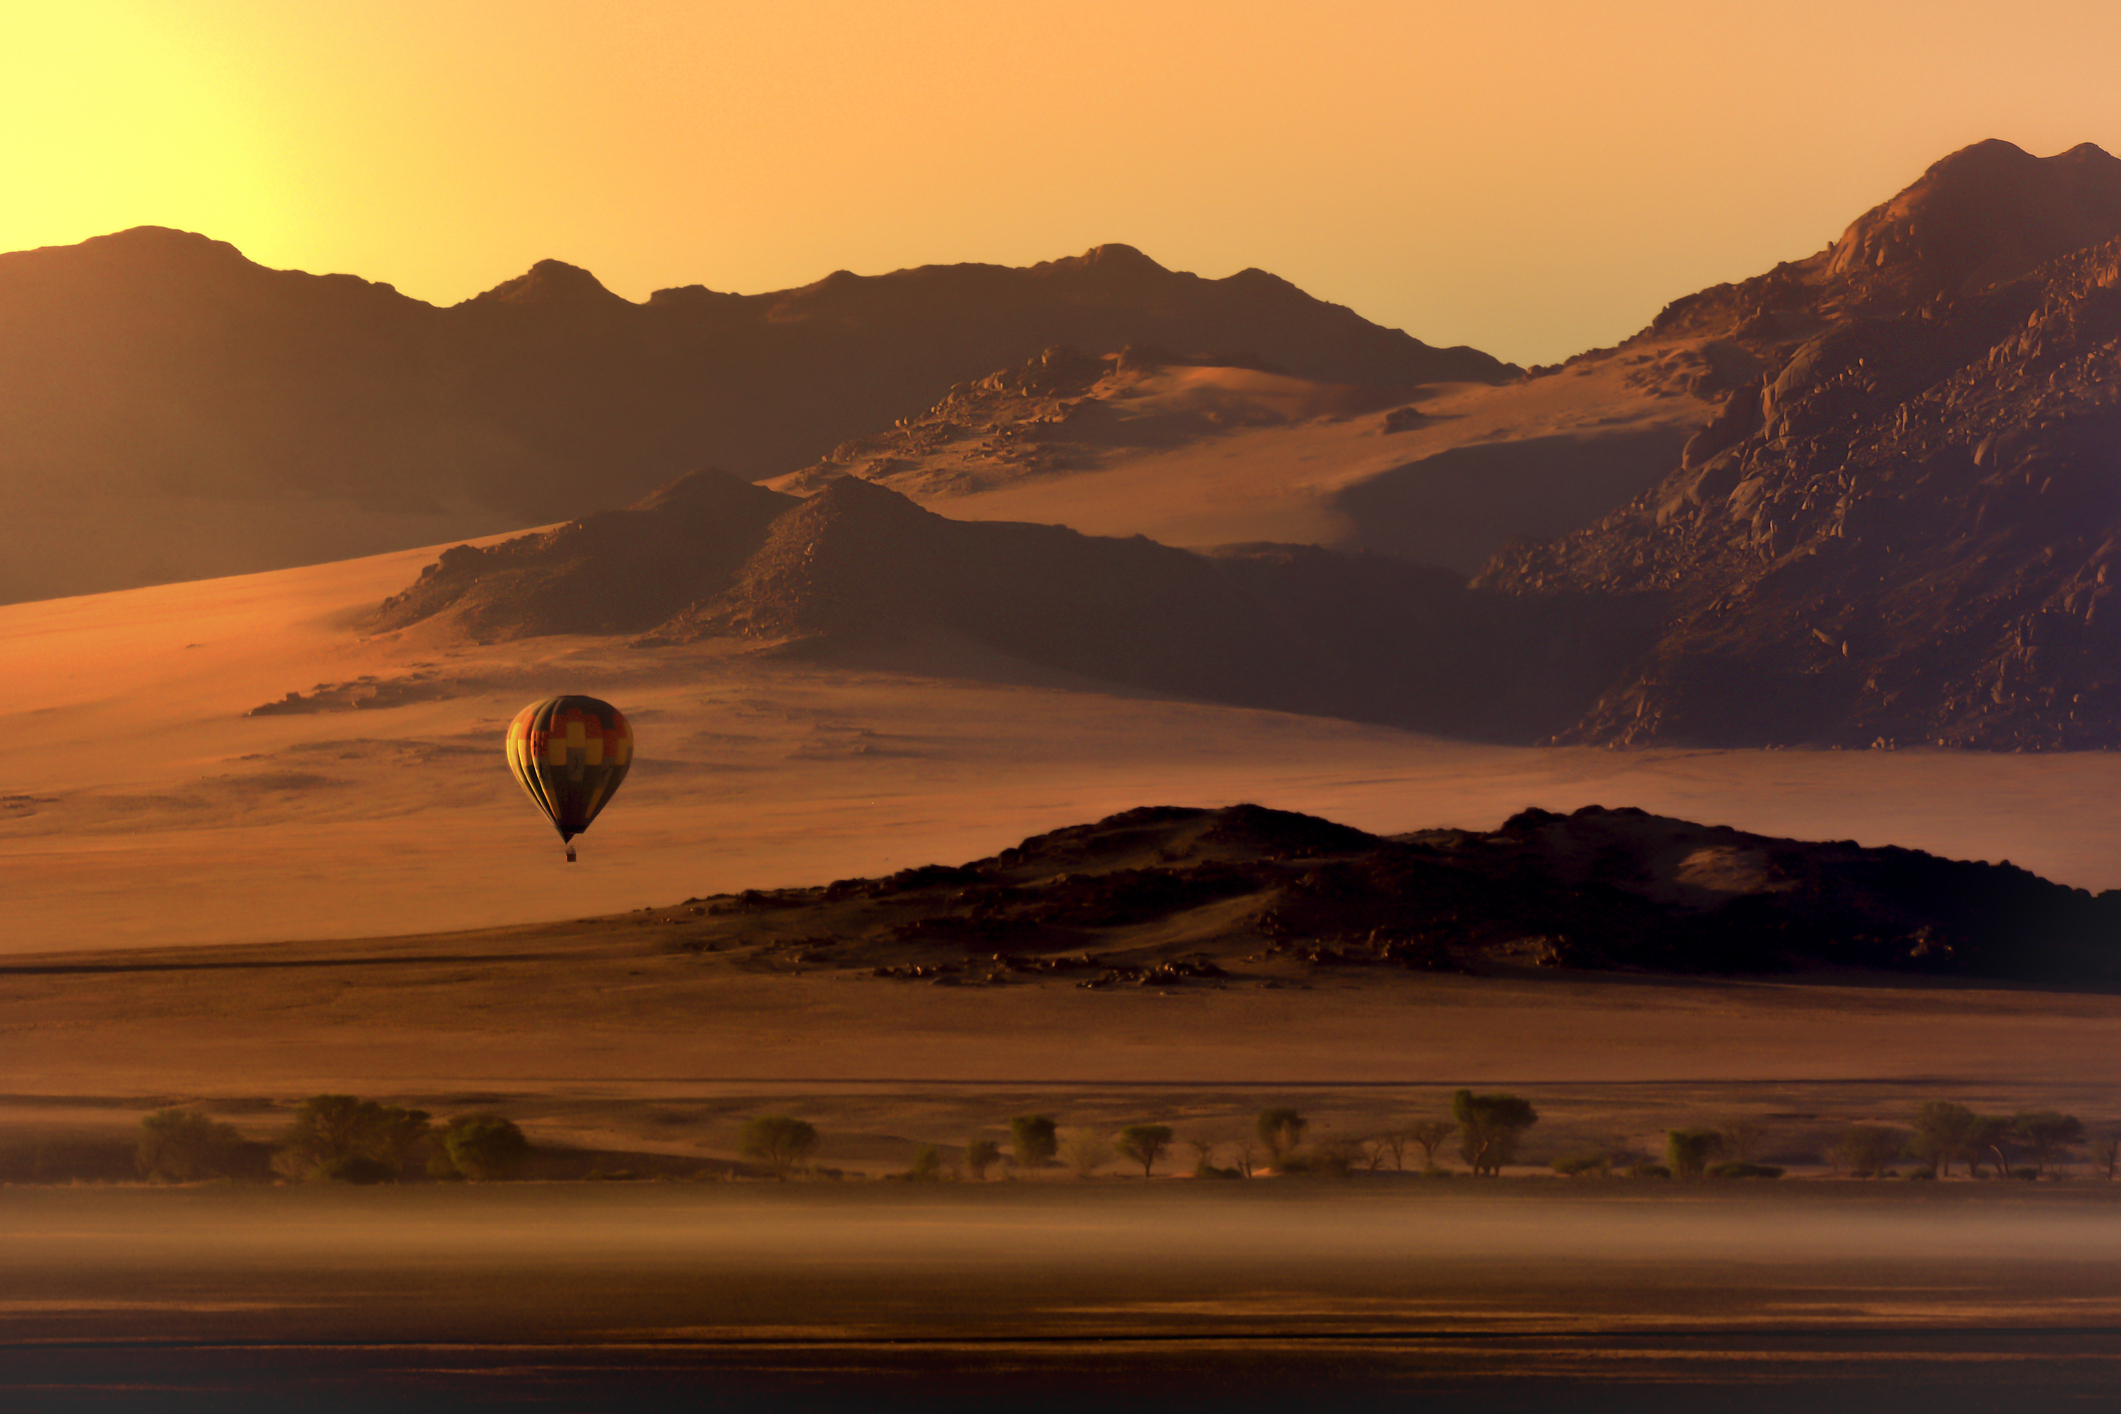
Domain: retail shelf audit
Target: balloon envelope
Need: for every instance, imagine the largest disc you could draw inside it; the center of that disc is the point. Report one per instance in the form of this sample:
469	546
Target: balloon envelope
569	754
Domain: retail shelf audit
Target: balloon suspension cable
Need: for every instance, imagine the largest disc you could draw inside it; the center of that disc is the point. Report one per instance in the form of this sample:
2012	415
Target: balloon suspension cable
570	854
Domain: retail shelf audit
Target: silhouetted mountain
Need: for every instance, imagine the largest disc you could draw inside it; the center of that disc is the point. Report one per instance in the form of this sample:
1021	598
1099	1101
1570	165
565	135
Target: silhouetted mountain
1291	627
154	369
1902	528
1164	895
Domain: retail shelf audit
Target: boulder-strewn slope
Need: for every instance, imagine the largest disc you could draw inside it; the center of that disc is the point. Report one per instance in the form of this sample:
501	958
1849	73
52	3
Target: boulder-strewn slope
1158	896
1297	628
1067	411
159	379
1903	528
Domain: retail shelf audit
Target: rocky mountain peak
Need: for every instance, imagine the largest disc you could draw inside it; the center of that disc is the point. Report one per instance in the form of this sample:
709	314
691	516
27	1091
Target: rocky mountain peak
1985	214
551	282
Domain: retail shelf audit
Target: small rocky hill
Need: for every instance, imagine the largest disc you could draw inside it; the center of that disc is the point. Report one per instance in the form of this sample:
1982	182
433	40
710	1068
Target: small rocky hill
1901	529
1166	896
859	566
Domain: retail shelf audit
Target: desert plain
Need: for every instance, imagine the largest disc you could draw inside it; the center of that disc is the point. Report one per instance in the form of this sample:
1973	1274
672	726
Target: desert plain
232	912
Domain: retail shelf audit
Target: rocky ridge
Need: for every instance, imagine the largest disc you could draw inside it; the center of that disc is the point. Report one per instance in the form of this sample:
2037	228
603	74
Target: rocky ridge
1902	528
154	366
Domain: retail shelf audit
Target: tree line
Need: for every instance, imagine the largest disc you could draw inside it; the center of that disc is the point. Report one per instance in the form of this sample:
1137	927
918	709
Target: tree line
335	1139
1488	1127
346	1139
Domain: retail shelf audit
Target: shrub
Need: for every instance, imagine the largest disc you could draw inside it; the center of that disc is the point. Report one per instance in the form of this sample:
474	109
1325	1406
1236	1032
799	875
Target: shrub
1688	1151
927	1166
981	1155
1646	1169
1336	1160
1577	1165
1865	1149
1086	1151
357	1168
781	1142
1033	1141
1742	1139
1739	1168
485	1147
179	1146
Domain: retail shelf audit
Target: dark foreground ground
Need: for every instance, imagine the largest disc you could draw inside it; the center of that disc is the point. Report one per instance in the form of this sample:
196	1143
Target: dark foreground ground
1264	1295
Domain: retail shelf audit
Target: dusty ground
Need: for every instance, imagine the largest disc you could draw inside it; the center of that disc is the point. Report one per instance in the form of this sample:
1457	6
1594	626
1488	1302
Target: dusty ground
600	1037
193	912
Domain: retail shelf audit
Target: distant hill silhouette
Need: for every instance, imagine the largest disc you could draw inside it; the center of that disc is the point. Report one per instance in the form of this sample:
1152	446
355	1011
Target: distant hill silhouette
213	416
1902	528
1291	627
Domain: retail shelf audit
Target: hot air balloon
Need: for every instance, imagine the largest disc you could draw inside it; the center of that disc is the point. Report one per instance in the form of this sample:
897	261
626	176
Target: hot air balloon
570	753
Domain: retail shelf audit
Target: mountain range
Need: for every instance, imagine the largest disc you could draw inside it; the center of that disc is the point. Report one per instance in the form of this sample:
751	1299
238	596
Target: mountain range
1868	498
171	410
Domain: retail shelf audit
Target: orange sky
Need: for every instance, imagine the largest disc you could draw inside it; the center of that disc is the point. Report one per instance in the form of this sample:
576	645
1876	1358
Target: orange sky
1532	178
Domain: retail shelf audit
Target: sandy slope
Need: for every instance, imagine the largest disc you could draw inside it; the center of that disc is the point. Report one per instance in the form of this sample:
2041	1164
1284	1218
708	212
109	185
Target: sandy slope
140	806
1282	482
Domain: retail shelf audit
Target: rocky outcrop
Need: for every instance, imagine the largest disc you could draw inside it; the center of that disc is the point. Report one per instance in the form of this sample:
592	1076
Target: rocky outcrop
1164	896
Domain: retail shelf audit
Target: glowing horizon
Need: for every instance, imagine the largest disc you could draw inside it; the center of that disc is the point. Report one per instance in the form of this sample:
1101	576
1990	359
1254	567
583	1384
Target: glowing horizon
1531	182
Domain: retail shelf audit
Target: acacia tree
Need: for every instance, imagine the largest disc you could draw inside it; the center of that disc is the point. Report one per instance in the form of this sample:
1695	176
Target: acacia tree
1945	1132
1430	1133
2106	1156
347	1138
781	1142
1145	1144
1281	1129
1033	1140
2050	1135
1865	1149
178	1146
1489	1127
